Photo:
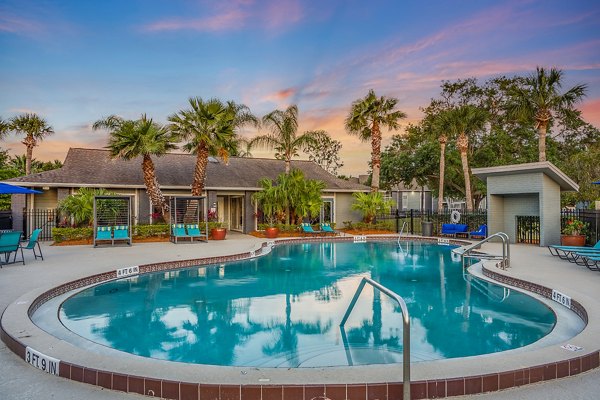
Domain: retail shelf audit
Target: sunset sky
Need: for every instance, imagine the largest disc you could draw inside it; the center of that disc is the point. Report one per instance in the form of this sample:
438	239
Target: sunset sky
74	62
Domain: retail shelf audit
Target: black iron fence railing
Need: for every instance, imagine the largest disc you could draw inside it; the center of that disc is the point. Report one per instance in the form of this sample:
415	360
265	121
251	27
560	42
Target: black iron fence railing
413	219
528	229
44	219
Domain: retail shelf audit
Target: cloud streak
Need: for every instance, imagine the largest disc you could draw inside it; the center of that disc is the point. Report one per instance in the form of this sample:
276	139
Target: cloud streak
272	15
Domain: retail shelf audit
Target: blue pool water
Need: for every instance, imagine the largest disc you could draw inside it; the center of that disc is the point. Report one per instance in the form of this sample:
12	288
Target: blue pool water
284	309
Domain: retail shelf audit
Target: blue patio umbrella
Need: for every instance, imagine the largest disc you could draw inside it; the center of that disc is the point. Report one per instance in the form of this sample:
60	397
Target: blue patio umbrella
596	183
5	188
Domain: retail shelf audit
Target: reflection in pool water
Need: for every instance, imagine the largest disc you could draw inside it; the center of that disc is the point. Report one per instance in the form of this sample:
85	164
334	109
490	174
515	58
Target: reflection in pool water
284	309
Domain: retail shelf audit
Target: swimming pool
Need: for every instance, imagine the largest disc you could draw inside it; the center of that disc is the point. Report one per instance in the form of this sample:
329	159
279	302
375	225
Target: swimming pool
284	309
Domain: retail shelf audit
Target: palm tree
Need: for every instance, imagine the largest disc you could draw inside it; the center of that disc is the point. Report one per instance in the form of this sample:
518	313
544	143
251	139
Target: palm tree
35	130
283	137
4	128
143	137
461	122
209	126
539	99
366	118
439	128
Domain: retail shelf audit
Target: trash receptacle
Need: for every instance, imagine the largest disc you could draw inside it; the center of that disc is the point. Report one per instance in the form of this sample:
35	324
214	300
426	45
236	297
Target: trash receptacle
426	228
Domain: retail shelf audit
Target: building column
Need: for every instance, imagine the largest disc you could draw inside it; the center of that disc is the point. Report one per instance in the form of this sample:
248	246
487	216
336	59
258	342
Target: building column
18	203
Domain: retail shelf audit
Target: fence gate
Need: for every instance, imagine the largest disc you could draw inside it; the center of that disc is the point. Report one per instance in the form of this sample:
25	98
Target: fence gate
44	219
528	229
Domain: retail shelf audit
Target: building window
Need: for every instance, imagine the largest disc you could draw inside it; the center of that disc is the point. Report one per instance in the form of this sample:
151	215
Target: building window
327	211
404	201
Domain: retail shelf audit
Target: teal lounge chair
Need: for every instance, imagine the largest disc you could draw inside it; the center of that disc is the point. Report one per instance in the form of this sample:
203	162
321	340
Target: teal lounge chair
326	228
563	251
193	231
32	243
307	228
9	243
121	232
103	233
178	232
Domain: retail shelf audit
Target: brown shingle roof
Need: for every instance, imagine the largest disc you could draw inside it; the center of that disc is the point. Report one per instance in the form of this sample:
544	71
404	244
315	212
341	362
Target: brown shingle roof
94	167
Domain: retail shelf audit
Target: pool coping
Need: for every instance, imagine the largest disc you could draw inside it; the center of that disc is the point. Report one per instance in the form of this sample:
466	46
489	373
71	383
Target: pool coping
98	372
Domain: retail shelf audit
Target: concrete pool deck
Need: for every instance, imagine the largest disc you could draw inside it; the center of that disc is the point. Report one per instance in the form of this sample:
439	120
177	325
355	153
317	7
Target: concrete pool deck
62	264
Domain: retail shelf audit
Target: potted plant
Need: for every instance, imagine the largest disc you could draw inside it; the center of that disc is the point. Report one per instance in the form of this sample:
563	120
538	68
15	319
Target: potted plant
217	231
270	202
573	233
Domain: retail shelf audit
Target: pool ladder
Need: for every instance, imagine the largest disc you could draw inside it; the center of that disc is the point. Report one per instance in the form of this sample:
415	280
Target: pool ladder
466	252
401	231
405	327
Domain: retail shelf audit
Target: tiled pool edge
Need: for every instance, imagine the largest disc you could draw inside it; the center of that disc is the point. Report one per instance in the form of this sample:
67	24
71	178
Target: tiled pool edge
390	390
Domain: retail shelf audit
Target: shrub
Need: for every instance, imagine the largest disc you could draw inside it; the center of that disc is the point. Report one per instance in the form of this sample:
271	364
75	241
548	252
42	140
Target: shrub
145	231
62	234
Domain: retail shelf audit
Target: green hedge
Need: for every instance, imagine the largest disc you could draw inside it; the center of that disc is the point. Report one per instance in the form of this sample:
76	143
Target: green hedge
62	234
145	231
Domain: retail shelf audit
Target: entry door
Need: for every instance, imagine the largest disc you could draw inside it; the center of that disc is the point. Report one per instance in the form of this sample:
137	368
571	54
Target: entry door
237	213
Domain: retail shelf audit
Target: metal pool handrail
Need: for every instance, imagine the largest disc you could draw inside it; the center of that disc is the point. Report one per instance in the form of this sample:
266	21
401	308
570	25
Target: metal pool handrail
465	251
405	327
401	232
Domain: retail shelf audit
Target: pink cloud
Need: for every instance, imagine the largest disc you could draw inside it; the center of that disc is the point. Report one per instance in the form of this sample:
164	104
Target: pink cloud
591	111
17	25
235	15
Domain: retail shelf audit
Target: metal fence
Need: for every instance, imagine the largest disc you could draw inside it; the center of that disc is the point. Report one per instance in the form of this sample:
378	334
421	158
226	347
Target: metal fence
528	229
44	219
413	219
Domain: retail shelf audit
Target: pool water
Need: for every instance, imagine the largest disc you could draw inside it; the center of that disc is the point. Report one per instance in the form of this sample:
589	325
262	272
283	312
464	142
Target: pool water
284	309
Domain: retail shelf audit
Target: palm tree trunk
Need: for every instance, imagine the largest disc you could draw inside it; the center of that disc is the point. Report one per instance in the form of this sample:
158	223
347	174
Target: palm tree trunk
463	145
288	164
442	141
152	187
542	127
28	159
200	170
375	156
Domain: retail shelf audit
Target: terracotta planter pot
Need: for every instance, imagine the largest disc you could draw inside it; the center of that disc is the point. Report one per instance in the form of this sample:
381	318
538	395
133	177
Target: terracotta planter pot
218	233
572	240
271	232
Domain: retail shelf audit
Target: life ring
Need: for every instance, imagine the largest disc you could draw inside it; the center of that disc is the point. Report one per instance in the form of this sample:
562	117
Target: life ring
455	217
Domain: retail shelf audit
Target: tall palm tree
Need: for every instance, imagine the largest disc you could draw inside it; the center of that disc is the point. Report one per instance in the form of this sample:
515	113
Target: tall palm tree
365	119
284	138
539	99
209	126
461	122
143	137
4	128
34	128
439	128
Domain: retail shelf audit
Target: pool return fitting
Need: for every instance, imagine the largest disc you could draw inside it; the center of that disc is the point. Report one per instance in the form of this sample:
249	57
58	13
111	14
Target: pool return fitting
405	327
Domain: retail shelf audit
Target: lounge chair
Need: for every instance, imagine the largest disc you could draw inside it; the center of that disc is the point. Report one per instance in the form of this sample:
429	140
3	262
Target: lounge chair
563	251
592	262
455	229
326	228
307	228
479	233
9	243
178	232
193	231
103	233
121	232
32	243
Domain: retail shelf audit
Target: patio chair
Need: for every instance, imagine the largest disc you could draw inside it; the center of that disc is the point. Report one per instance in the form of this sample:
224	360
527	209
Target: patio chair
326	228
307	228
121	232
9	243
178	232
592	262
32	243
556	250
479	233
103	233
193	231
